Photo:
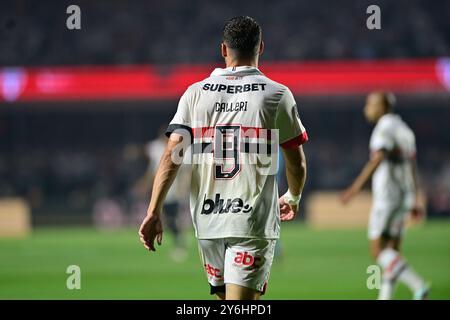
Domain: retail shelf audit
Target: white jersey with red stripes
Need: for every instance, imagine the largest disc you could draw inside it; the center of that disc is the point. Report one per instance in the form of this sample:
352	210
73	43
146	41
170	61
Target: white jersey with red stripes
236	118
393	182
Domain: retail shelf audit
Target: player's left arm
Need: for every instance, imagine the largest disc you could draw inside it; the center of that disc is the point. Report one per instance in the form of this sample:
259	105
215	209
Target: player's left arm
366	173
296	176
151	227
292	134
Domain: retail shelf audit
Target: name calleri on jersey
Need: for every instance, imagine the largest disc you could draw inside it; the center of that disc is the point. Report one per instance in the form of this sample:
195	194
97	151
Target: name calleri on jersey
235	120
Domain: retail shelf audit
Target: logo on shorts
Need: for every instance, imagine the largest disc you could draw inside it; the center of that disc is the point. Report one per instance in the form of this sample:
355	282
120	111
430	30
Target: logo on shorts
219	205
214	272
246	259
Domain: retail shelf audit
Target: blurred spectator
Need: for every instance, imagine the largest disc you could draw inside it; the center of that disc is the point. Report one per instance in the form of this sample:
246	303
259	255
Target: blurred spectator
64	162
177	31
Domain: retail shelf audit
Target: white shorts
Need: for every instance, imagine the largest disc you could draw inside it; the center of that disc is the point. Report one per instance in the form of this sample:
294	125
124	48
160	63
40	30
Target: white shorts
242	261
386	222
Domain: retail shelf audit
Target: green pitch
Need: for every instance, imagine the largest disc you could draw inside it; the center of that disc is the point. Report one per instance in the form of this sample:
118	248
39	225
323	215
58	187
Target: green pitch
315	264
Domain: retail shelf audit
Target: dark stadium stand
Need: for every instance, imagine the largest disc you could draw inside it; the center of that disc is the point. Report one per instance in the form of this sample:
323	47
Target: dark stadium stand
167	32
65	157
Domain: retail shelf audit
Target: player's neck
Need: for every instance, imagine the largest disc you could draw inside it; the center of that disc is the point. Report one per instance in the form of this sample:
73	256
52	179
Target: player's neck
241	63
381	116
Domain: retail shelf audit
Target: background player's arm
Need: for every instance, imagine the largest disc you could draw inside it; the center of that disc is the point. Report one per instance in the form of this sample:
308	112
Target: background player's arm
151	227
296	175
364	176
415	176
418	210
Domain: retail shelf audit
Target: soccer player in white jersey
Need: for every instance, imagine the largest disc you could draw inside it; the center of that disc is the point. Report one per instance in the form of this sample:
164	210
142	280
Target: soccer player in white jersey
392	166
232	120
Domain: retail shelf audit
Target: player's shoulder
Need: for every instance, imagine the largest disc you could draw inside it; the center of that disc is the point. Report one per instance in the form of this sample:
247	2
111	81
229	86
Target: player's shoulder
195	87
388	121
280	91
193	91
277	85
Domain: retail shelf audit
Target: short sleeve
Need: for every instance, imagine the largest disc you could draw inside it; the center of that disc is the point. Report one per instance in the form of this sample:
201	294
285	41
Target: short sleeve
381	139
291	131
181	122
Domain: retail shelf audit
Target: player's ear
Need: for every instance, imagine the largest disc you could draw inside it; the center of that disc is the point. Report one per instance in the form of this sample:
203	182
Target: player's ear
223	50
261	48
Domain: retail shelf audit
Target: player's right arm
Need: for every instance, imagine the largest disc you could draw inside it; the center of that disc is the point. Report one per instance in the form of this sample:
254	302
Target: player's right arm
381	143
151	227
179	132
363	177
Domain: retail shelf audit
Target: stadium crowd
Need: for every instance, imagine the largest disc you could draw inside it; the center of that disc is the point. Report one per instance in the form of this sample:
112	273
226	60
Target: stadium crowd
170	31
58	162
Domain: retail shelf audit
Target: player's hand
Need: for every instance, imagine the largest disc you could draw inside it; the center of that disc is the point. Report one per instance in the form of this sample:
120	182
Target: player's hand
417	213
151	229
348	195
287	211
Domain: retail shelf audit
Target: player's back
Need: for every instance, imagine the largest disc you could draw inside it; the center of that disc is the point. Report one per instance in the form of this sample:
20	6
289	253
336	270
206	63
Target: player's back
393	179
233	116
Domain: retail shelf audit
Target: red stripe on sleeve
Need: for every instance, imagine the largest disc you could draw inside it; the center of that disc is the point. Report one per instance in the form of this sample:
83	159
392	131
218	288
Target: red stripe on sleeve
295	142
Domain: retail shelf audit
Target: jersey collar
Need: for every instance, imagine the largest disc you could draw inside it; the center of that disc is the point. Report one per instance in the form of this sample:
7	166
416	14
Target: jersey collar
236	71
390	115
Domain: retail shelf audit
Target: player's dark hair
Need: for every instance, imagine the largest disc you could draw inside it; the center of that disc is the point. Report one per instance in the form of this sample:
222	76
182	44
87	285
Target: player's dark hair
242	34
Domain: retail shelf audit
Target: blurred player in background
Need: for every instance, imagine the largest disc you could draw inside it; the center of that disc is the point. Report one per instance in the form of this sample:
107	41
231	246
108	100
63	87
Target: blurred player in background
393	169
176	196
234	206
